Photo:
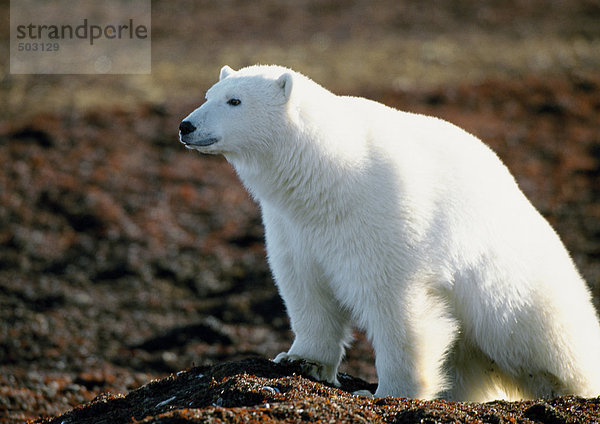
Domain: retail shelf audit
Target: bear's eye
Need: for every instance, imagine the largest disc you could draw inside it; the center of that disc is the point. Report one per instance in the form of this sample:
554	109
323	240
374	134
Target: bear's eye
234	102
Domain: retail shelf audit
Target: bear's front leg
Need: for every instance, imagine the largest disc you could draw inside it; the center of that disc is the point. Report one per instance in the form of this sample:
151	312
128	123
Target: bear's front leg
320	325
411	334
321	330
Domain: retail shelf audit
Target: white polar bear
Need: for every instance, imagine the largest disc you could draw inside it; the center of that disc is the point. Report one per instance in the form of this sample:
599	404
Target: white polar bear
410	228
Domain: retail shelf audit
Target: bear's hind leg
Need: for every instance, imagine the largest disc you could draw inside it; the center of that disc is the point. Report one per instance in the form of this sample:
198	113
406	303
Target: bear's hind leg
545	349
476	377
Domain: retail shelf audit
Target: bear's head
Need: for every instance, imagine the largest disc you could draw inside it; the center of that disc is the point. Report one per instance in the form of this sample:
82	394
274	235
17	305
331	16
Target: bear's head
243	112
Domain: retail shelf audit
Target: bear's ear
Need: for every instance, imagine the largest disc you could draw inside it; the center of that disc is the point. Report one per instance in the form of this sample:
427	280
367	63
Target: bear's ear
225	72
285	81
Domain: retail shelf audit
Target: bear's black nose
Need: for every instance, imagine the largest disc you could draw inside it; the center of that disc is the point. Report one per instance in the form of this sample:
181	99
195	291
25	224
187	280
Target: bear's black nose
186	127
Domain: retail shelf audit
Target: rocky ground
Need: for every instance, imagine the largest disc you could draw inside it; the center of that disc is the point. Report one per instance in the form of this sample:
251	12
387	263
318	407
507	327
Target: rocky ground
256	390
125	258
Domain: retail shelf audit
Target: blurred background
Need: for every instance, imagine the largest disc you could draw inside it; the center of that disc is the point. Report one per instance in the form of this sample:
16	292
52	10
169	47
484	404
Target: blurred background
125	257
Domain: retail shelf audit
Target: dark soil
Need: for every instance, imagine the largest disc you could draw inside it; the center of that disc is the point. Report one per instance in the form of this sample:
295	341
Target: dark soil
126	258
257	390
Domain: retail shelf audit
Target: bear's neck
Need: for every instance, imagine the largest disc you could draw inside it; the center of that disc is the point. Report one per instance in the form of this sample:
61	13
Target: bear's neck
312	182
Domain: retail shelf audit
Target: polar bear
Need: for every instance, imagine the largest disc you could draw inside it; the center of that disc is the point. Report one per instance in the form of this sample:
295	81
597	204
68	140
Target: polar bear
409	228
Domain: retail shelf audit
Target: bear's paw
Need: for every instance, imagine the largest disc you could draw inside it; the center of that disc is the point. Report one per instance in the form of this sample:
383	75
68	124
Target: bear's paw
311	368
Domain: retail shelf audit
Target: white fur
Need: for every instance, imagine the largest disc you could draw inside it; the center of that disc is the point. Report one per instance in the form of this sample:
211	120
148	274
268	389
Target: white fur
410	228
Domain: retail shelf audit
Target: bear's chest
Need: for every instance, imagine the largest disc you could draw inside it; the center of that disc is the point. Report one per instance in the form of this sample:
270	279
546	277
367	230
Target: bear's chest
352	253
